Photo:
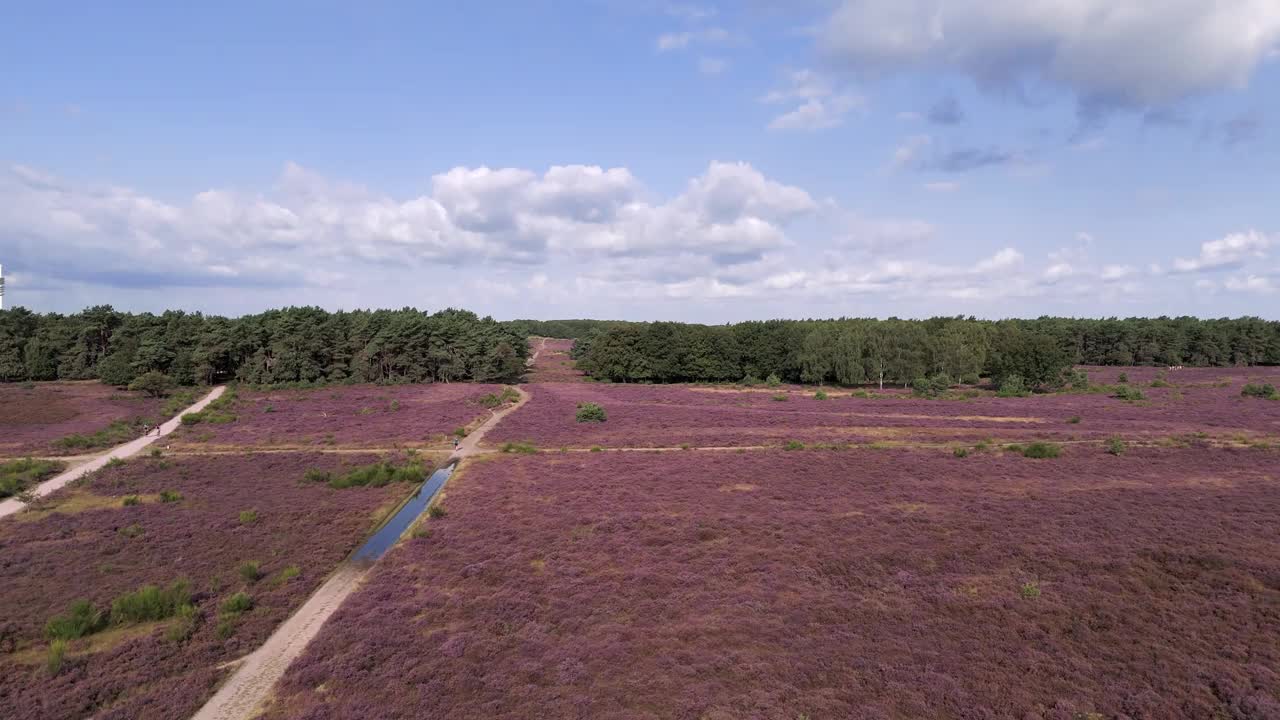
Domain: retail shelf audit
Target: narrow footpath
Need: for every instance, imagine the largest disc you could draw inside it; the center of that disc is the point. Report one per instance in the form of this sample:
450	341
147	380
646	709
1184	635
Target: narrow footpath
245	693
120	452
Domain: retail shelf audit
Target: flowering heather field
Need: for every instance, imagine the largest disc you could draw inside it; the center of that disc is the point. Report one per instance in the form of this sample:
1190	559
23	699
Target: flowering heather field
368	415
856	584
93	547
33	416
670	415
554	364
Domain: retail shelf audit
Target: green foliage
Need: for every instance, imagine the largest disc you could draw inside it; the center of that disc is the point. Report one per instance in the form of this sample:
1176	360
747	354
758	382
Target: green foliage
1074	420
793	445
1123	378
932	387
960	452
248	517
1076	379
80	620
519	448
780	397
1128	393
152	383
1041	450
1029	590
131	531
820	395
1266	391
130	500
226	628
749	380
170	496
186	621
437	511
114	434
590	412
1012	386
287	574
596	448
1160	383
149	603
53	661
1115	446
379	474
773	380
250	571
18	475
236	605
317	476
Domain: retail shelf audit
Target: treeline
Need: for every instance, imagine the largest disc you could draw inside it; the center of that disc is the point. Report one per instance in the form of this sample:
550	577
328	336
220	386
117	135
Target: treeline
293	345
858	351
572	329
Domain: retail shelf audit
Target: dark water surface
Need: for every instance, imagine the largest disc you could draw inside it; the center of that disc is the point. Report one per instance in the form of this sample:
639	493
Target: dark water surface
395	527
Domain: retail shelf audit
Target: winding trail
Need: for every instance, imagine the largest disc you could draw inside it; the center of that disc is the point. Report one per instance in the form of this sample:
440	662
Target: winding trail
245	693
120	452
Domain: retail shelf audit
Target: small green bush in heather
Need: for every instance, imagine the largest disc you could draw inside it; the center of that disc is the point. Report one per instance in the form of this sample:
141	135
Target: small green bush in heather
250	571
80	620
590	412
1041	450
1265	391
1116	446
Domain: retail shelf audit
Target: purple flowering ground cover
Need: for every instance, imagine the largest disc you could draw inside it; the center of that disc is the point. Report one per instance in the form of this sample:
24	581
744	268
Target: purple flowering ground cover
348	415
821	584
90	546
671	415
35	415
554	364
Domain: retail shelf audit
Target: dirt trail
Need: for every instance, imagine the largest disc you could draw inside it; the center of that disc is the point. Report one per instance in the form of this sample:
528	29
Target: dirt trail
245	693
133	447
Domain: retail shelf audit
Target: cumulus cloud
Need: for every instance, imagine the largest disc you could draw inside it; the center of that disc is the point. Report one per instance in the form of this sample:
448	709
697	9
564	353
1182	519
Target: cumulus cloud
1251	284
1226	253
1109	53
820	104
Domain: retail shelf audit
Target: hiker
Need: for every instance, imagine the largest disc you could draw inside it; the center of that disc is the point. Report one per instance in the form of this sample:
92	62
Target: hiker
146	429
455	443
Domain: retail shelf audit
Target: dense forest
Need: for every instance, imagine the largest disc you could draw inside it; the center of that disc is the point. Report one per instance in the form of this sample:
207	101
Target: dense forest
857	351
569	329
293	345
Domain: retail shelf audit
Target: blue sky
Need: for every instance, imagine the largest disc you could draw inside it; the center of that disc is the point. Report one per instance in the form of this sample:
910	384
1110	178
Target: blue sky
644	160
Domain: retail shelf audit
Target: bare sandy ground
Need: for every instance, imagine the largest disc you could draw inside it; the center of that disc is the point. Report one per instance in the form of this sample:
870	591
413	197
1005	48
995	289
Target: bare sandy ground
133	447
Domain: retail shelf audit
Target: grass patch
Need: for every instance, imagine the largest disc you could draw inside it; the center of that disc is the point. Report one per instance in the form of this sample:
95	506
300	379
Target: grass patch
437	511
596	448
820	395
286	575
780	397
793	445
522	448
57	652
80	620
960	452
379	474
217	412
1073	420
1265	391
1129	393
150	602
236	605
250	571
130	500
118	432
170	496
248	517
131	531
1029	590
1041	450
18	475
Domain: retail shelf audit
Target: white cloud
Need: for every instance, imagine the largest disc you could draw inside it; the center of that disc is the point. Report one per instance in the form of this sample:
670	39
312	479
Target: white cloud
1251	284
820	107
1227	252
681	40
1101	50
909	151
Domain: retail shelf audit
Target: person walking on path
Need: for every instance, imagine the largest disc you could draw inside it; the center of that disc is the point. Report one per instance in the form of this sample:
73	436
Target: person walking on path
146	429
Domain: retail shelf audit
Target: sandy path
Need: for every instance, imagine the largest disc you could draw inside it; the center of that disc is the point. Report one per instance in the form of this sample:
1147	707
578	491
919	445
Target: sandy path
244	694
133	447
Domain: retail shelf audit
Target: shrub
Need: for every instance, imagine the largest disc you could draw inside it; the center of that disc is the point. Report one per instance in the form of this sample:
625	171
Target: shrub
590	412
149	603
130	500
1265	391
170	496
1074	420
250	572
1076	379
380	474
1124	378
1129	394
820	395
773	380
1116	446
520	448
960	452
749	381
436	511
187	619
57	651
215	413
287	574
116	433
460	432
248	517
596	448
793	445
80	620
115	462
131	531
152	384
269	409
156	452
780	397
236	605
1029	590
932	387
686	446
395	405
1041	450
1160	383
1013	386
318	476
18	475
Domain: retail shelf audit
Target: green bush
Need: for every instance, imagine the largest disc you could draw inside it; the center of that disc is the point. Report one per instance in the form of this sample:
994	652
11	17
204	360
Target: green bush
1074	420
53	662
130	500
1076	379
1129	393
773	380
18	475
236	605
590	412
131	531
1124	378
287	574
1029	590
1116	446
318	476
186	620
250	571
149	603
749	381
1041	450
437	511
780	397
1266	391
596	448
81	620
931	387
152	383
1160	383
116	433
793	445
170	496
248	517
379	474
519	448
960	452
1013	386
820	395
